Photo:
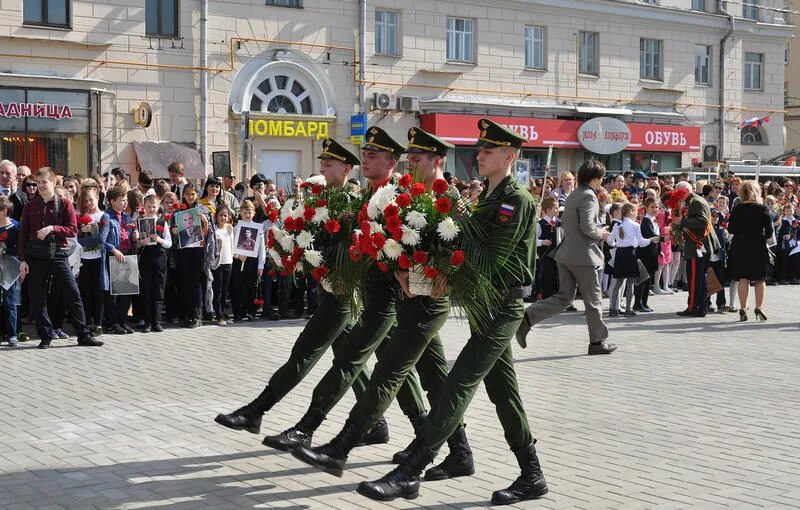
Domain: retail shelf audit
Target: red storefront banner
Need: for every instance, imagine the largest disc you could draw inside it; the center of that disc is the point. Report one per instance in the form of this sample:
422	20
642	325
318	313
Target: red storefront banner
463	130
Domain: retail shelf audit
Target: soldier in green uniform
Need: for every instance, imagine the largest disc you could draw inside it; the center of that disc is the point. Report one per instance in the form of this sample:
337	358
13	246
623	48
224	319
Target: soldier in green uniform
329	325
414	342
486	357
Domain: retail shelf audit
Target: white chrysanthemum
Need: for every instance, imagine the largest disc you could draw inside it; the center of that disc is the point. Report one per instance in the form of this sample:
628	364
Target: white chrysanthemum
383	197
447	229
298	211
313	257
320	215
375	228
287	243
317	179
276	258
305	239
416	219
392	249
287	209
410	236
278	233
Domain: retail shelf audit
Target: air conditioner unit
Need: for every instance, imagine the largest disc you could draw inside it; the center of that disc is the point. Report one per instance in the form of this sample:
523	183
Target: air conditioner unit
409	103
385	101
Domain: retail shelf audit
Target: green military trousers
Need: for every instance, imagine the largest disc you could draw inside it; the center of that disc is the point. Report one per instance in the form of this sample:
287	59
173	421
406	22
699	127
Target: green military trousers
331	324
486	357
418	322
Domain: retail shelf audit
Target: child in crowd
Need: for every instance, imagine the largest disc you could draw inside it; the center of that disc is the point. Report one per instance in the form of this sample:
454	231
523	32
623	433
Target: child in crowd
9	239
153	266
663	276
788	238
613	218
223	262
719	259
626	237
246	271
93	282
171	302
120	242
546	279
56	306
648	254
190	266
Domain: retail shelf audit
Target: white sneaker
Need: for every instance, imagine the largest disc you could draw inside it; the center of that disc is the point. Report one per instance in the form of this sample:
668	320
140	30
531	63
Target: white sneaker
660	292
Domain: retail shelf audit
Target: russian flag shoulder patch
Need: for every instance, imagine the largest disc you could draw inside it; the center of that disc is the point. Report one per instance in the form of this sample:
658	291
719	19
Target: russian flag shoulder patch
506	212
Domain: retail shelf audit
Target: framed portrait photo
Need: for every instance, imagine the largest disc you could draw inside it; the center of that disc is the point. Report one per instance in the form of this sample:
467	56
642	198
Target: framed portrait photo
9	271
190	231
246	238
124	276
147	228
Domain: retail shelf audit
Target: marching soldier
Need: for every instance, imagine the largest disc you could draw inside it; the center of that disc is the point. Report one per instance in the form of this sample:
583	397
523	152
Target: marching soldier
486	357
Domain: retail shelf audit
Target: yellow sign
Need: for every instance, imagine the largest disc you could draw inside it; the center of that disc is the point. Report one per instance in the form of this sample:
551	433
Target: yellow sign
357	140
289	128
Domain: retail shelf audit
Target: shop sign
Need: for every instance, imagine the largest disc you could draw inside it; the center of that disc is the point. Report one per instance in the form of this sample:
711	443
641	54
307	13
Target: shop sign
358	128
604	135
35	111
564	134
289	128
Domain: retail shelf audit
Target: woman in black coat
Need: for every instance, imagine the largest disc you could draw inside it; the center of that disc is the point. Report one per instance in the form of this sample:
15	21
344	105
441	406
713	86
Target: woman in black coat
751	227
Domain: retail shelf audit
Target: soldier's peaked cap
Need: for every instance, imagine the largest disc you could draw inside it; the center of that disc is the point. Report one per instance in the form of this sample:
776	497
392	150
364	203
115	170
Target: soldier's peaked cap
331	149
377	139
422	141
493	134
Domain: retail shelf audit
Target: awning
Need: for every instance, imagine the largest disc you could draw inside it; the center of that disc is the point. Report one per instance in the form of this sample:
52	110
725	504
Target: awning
602	110
155	157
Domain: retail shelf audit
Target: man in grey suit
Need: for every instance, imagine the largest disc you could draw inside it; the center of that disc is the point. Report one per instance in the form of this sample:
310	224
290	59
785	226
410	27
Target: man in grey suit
578	258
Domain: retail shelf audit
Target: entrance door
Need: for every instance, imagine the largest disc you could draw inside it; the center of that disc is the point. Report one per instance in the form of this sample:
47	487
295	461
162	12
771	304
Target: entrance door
281	167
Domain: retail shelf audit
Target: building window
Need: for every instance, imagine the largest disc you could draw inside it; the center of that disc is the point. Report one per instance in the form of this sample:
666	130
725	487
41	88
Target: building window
651	2
281	94
460	40
750	9
702	64
753	70
386	33
699	5
161	18
650	59
535	48
53	13
751	135
588	52
286	3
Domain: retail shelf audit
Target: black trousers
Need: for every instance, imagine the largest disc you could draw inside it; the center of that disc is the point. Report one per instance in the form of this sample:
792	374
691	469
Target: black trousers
190	293
41	271
650	262
222	278
243	287
153	278
90	283
171	301
696	268
546	279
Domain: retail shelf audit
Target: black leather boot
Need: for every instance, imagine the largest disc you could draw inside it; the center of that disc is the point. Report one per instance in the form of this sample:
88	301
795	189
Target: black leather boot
299	435
530	484
417	422
248	417
331	457
402	481
378	434
458	462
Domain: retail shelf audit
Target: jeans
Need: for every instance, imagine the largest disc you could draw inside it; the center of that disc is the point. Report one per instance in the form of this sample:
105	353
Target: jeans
10	299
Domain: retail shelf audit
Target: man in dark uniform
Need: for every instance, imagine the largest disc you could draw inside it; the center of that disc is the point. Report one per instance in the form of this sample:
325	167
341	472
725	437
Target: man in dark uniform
414	342
486	357
330	325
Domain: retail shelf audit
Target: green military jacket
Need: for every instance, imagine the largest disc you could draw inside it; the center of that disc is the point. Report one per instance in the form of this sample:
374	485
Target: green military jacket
509	214
698	224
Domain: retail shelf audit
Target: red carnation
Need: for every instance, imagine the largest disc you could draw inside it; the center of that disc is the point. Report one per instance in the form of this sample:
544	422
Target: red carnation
304	185
362	214
175	206
440	186
443	205
102	222
430	272
272	273
160	229
378	240
420	257
319	273
397	234
317	189
297	252
417	189
404	262
258	301
355	254
406	180
308	213
332	226
391	211
288	224
299	224
365	227
383	267
270	238
3	236
131	225
184	207
85	220
457	258
403	200
393	223
322	203
167	217
273	215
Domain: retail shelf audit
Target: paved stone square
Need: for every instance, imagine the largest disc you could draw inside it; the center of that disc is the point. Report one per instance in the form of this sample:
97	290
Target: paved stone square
689	413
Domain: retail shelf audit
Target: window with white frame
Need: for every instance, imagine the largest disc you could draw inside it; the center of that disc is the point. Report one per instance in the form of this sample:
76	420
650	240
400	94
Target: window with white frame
753	71
702	64
751	135
535	51
650	59
750	9
387	34
460	40
588	52
699	5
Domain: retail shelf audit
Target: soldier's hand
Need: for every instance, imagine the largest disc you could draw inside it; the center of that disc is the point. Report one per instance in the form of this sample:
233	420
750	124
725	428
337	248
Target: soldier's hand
402	277
439	287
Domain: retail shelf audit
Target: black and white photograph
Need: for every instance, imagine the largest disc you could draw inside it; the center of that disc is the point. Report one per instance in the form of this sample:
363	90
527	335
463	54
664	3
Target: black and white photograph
247	237
190	232
124	276
9	271
523	170
147	227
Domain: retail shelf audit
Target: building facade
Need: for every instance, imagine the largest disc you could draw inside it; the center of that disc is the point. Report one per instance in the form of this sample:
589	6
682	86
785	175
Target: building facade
85	86
792	118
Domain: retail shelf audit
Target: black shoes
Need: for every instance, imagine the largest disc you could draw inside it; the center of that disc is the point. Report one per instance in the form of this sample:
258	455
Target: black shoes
760	315
378	434
248	417
417	422
458	462
331	457
44	344
742	315
601	348
288	440
158	328
690	313
401	482
89	341
147	328
522	331
530	484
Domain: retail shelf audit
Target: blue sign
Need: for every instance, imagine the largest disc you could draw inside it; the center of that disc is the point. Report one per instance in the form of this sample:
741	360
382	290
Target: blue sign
358	124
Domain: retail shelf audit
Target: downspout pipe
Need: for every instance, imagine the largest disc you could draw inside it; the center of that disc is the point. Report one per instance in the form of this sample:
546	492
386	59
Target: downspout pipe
731	28
204	81
362	51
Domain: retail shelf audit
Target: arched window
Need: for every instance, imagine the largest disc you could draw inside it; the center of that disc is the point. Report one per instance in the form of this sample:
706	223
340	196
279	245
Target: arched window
281	94
751	135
